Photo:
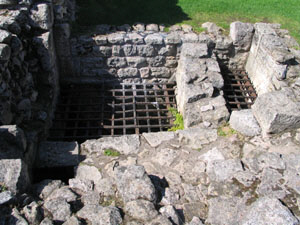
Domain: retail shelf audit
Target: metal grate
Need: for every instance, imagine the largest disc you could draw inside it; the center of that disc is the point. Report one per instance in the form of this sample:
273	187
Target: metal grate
93	111
238	90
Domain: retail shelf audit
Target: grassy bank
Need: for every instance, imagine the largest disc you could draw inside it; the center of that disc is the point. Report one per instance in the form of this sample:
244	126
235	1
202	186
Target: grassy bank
193	12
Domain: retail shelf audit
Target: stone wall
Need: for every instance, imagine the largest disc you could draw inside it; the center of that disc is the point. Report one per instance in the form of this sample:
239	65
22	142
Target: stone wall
144	53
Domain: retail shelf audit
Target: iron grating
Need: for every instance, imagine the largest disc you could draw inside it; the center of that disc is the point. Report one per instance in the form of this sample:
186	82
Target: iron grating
112	109
238	90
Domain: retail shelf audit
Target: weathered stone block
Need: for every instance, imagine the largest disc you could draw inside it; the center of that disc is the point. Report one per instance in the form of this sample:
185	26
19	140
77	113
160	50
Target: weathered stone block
244	122
58	154
241	34
129	50
100	40
157	61
5	36
104	51
152	27
160	72
118	62
173	38
135	38
42	16
194	50
8	2
154	39
146	50
116	38
276	111
127	72
137	62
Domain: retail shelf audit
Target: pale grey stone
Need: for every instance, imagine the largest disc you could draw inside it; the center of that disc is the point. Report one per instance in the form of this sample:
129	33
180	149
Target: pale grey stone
8	2
166	156
268	211
190	170
5	197
191	193
194	50
171	63
42	16
173	38
168	50
160	220
198	209
152	27
146	50
276	111
117	50
144	72
106	187
216	79
291	174
157	61
135	38
190	38
116	38
246	178
91	198
33	213
73	221
244	122
14	174
127	72
5	52
195	221
98	215
140	27
127	144
270	184
46	187
175	28
100	39
241	34
81	185
212	155
129	50
59	209
223	170
137	61
154	39
156	139
212	28
141	210
64	193
5	36
133	183
46	221
160	72
170	197
118	62
16	218
57	154
196	137
225	210
89	173
186	28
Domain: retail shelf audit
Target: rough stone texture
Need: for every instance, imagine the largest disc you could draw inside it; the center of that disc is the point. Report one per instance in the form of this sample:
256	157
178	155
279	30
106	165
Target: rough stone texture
14	174
126	144
5	197
276	112
133	183
58	154
33	213
42	16
141	210
244	122
156	139
241	34
46	187
86	172
98	215
59	209
268	211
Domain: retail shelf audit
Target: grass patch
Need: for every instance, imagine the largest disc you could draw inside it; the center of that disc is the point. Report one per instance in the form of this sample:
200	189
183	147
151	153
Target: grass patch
193	12
3	187
111	152
178	120
226	131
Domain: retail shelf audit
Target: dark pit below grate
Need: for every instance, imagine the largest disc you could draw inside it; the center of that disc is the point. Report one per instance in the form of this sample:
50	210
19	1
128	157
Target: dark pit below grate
112	109
239	92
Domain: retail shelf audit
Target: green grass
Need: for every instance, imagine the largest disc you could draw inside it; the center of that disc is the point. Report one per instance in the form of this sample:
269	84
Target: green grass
193	12
225	130
111	152
178	120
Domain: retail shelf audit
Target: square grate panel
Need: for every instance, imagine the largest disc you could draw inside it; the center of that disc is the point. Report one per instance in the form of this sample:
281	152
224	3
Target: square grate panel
238	90
112	109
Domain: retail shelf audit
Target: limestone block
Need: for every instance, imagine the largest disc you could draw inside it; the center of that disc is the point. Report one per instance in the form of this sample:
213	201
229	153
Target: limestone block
212	28
160	72
173	38
42	16
137	61
59	209
154	39
268	211
156	139
14	174
276	111
104	51
157	61
146	50
129	50
128	72
194	50
116	38
5	36
152	27
141	210
58	154
8	2
134	38
100	39
190	38
244	122
118	62
241	34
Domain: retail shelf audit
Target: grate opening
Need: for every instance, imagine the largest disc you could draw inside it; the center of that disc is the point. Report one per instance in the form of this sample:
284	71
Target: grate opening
112	109
239	92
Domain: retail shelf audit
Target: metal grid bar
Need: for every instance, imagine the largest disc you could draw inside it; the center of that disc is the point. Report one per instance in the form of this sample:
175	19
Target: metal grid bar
238	90
112	109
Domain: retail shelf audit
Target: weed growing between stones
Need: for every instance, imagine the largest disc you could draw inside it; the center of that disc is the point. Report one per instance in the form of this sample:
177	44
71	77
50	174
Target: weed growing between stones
226	131
111	152
3	187
178	122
